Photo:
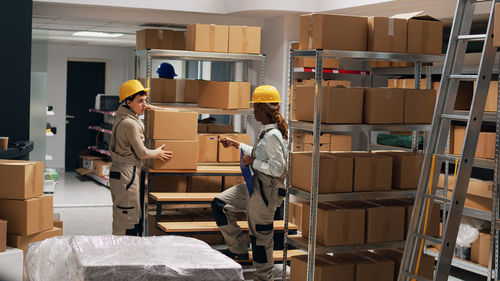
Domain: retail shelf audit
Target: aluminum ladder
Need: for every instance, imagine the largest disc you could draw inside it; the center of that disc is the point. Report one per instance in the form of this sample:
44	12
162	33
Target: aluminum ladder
435	154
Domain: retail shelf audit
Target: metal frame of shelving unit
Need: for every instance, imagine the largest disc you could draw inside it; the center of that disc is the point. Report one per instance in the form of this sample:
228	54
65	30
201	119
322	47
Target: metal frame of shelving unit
317	128
151	54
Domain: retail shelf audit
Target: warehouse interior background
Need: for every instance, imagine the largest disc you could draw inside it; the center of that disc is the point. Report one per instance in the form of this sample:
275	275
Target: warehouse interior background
35	69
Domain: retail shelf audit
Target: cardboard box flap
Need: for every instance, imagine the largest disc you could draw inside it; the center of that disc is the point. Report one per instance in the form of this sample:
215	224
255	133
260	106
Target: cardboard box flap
415	16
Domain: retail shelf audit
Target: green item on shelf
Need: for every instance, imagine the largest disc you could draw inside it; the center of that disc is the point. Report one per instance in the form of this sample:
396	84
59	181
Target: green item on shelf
51	174
397	140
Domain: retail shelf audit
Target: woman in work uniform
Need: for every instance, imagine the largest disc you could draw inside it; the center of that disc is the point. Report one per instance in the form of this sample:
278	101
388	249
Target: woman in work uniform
127	152
269	166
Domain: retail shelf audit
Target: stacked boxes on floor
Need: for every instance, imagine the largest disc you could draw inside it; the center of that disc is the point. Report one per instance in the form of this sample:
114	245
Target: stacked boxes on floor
29	213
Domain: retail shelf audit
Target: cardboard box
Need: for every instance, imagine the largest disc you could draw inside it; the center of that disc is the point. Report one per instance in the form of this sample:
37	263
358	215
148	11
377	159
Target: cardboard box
205	184
295	214
485	145
426	268
58	224
27	216
339	105
369	266
101	168
372	172
306	137
191	90
185	155
179	40
496	27
384	223
171	124
3	235
154	39
406	168
173	90
207	38
336	225
311	62
492	99
383	106
22	241
326	268
387	34
208	145
157	89
335	172
480	249
202	128
230	154
230	181
333	32
244	39
21	179
476	187
405	83
226	95
425	35
220	128
340	142
170	184
380	64
325	147
419	106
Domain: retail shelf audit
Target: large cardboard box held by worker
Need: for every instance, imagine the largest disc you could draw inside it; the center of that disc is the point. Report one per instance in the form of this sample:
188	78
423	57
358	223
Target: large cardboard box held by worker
208	147
406	168
28	216
326	268
225	95
171	124
207	38
244	39
336	224
485	147
480	249
335	172
425	35
185	155
372	172
339	105
383	106
419	106
22	241
21	179
230	154
387	34
333	32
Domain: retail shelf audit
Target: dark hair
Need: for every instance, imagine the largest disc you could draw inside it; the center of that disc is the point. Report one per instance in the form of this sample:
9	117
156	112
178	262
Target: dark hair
132	97
277	118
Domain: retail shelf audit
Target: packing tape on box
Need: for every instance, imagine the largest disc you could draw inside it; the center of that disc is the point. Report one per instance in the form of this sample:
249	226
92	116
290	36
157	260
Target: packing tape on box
244	38
390	27
211	38
309	32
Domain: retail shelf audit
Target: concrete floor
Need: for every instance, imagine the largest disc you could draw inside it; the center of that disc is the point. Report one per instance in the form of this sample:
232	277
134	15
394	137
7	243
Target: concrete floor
85	208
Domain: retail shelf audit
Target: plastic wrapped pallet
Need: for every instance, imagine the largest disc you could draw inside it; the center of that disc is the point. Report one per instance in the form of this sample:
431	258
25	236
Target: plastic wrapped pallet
110	257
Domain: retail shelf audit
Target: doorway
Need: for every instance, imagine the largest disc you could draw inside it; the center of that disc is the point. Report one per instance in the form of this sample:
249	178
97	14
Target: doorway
84	81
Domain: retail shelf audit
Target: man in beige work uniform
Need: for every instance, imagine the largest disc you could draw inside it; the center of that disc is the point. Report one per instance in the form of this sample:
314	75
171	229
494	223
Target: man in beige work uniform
127	152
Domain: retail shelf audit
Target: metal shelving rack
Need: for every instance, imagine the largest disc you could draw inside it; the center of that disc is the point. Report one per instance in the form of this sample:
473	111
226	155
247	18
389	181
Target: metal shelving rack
317	128
149	56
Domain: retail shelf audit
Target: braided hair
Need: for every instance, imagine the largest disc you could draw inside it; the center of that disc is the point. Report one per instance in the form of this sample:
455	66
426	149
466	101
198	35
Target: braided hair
273	110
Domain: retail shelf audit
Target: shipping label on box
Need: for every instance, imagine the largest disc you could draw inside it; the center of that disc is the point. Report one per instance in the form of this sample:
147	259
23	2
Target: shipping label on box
28	216
102	168
185	155
208	145
230	154
207	38
225	95
419	106
387	34
333	32
21	179
383	106
244	39
171	124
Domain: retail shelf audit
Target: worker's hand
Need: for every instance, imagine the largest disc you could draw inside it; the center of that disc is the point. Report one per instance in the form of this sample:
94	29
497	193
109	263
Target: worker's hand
247	160
164	155
154	107
227	142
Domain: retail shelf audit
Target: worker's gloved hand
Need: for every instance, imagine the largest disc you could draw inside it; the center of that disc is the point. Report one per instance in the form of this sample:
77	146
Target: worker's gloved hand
163	155
227	142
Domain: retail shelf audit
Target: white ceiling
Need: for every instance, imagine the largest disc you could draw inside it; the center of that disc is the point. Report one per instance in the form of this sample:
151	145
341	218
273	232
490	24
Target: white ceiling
56	20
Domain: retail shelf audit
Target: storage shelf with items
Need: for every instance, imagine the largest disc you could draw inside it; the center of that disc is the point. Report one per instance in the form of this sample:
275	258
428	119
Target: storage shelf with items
339	108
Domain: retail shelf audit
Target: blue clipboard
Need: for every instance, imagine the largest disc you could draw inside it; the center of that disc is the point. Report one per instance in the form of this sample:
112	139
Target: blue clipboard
247	174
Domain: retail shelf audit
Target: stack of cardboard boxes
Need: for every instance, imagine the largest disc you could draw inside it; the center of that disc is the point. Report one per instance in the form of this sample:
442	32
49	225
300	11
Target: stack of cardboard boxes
303	141
223	38
160	39
29	213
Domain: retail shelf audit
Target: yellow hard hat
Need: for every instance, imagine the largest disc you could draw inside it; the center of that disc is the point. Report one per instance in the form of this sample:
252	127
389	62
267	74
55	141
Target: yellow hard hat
130	88
266	94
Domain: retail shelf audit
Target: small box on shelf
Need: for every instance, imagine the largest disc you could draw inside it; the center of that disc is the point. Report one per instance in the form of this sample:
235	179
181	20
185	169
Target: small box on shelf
419	106
244	39
224	95
383	106
207	38
387	34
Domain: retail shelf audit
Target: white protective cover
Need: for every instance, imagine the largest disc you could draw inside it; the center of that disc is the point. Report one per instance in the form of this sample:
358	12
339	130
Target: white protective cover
112	258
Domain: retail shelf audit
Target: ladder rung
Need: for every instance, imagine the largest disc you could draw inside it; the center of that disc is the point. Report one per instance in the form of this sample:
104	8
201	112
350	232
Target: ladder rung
419	278
456	117
434	240
447	157
472	37
438	198
463	77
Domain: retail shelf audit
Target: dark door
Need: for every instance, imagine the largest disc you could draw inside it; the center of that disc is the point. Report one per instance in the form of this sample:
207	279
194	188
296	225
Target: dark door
85	80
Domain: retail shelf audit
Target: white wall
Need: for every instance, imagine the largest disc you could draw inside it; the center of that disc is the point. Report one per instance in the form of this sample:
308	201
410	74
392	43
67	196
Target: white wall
120	67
